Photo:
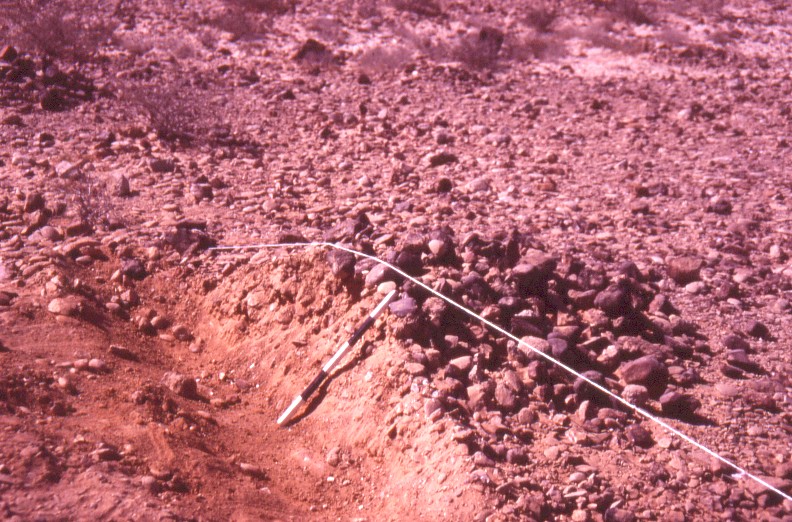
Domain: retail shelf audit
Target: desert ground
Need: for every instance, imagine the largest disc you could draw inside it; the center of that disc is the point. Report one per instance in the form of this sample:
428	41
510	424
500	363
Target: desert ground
609	182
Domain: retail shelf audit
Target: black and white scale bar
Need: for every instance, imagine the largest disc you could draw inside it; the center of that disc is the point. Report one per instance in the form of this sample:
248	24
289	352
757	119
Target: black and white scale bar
329	365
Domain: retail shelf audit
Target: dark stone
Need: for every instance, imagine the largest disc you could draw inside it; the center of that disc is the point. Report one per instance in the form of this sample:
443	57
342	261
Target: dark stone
720	206
740	359
732	371
646	371
8	53
78	228
614	301
53	100
619	515
161	166
733	342
404	307
443	185
342	264
639	436
679	405
442	158
586	391
133	268
313	51
33	201
123	353
758	330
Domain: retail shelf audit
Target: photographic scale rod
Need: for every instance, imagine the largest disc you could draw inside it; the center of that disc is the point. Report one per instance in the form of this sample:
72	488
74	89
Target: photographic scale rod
329	365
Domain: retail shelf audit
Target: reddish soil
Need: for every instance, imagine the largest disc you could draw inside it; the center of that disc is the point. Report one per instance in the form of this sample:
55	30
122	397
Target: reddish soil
609	181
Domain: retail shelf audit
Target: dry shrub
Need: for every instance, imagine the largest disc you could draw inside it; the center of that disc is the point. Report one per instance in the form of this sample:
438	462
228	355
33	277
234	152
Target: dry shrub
428	8
541	46
541	17
480	51
175	111
70	30
243	25
632	11
263	6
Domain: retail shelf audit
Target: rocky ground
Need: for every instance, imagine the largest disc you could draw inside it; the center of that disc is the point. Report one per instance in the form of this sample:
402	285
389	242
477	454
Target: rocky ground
609	181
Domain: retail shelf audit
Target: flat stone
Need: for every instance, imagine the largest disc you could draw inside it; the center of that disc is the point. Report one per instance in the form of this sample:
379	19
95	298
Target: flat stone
403	307
123	353
66	306
378	274
97	365
684	270
679	405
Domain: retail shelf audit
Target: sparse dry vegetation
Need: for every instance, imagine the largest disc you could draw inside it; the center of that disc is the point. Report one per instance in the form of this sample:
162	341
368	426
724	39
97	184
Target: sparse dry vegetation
64	29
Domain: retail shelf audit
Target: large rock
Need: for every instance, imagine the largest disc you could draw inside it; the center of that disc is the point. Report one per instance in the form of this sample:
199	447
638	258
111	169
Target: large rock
646	371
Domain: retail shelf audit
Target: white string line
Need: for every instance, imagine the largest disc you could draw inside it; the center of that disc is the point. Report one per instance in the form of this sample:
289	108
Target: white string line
550	358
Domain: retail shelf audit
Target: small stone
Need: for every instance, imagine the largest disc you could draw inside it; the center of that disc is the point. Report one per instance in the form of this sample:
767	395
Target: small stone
639	436
403	307
377	275
481	460
414	368
684	270
696	287
97	365
133	268
182	333
161	166
150	483
333	456
741	360
679	405
733	342
252	470
342	264
123	353
614	301
106	454
758	330
386	287
122	189
180	385
66	306
33	201
53	100
619	515
442	158
463	363
720	206
431	406
636	394
727	390
580	515
577	477
505	396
